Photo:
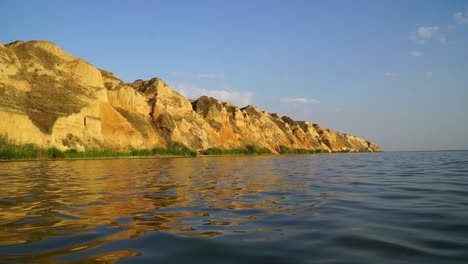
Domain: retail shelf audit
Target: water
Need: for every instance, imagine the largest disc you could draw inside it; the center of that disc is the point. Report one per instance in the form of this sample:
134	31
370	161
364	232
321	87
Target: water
394	207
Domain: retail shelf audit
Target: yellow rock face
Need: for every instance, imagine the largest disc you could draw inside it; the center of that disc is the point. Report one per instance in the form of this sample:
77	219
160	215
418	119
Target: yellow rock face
19	129
50	98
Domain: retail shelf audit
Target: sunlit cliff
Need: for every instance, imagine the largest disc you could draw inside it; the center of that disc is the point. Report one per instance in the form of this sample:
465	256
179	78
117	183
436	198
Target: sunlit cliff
50	98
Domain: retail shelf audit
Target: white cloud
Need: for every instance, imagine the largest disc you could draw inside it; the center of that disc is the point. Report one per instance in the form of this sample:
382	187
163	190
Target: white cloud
391	74
428	74
425	33
298	100
190	75
416	53
239	98
461	17
443	39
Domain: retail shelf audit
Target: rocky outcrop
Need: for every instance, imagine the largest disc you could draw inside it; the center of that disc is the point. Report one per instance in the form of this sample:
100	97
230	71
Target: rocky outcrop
50	98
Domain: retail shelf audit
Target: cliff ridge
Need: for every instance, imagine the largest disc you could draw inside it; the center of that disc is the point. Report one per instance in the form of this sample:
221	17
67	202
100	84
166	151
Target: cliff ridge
52	99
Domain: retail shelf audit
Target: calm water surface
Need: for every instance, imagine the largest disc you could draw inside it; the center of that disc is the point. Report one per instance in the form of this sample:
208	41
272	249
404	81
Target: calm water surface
394	207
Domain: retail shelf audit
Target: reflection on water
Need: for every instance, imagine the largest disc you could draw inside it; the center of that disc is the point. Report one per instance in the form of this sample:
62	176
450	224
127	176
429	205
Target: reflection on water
203	197
271	209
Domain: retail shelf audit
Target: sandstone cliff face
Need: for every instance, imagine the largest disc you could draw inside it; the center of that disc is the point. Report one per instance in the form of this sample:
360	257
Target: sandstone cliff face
50	98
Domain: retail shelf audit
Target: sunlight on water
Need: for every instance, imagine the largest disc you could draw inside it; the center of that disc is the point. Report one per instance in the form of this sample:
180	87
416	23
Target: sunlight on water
260	209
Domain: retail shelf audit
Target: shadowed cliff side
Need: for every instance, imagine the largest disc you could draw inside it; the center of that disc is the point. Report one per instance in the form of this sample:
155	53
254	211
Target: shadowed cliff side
50	98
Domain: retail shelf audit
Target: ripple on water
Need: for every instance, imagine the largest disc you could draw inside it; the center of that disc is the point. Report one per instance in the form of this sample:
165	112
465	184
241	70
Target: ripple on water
359	208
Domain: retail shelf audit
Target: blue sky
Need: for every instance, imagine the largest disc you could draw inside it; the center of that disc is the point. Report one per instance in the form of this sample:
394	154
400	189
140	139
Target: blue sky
395	72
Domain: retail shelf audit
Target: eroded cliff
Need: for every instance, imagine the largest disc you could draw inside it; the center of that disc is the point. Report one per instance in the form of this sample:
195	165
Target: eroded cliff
50	98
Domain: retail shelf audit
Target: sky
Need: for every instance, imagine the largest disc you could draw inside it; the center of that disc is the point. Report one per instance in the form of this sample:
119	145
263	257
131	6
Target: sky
394	72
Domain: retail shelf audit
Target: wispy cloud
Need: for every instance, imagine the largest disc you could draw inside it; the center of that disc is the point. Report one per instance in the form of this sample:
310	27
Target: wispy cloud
298	100
416	53
239	98
424	34
441	33
338	110
461	17
191	75
428	74
427	32
391	74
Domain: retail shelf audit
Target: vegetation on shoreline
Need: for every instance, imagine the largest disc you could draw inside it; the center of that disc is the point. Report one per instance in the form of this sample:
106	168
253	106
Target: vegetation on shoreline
248	150
286	150
28	151
10	150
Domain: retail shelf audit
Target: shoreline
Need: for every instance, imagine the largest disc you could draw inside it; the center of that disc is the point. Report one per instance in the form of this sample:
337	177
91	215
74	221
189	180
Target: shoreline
171	156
